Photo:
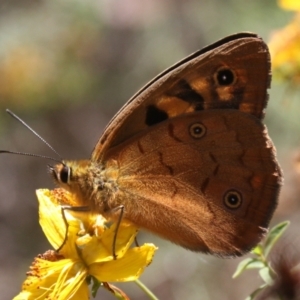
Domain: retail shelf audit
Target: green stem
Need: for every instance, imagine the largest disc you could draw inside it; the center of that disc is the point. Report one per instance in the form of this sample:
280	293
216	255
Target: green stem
146	290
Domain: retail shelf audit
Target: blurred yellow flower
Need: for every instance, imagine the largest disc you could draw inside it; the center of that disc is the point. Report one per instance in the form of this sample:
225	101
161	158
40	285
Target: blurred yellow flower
66	274
289	4
285	52
285	47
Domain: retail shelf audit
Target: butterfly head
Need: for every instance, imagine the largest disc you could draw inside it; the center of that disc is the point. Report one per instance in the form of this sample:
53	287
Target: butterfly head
88	182
72	176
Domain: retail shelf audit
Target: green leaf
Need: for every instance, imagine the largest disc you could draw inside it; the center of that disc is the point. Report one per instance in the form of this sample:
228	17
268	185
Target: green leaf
95	286
266	275
248	263
273	236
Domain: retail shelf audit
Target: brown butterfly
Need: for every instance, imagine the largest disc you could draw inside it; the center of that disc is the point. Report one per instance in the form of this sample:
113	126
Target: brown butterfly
188	156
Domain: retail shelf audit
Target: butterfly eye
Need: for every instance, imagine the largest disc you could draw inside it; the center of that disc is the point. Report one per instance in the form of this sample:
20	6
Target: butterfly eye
197	130
225	77
233	199
65	174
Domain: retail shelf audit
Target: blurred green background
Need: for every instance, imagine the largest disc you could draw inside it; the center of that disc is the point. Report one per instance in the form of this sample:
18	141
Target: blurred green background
66	67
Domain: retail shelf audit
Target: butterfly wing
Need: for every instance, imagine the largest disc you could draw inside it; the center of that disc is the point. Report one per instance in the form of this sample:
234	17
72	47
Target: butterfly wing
233	73
207	181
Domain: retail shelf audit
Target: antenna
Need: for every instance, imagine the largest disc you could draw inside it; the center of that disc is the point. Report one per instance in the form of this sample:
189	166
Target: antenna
37	135
30	154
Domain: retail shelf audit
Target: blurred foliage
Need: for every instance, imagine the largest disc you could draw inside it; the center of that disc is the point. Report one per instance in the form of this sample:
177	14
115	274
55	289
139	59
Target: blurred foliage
47	60
58	53
261	261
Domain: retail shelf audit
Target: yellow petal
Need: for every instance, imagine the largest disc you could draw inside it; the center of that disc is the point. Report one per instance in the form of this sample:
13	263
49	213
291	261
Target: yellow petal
51	219
101	249
24	295
128	268
53	224
125	236
71	283
54	277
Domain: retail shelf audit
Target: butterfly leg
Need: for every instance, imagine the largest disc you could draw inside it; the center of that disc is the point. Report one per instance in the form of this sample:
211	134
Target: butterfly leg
121	208
72	208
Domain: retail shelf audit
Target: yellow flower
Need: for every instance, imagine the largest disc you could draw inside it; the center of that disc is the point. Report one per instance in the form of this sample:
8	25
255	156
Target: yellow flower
67	273
285	47
285	52
289	4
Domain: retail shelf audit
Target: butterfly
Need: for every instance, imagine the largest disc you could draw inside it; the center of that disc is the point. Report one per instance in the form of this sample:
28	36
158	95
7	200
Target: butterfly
188	157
